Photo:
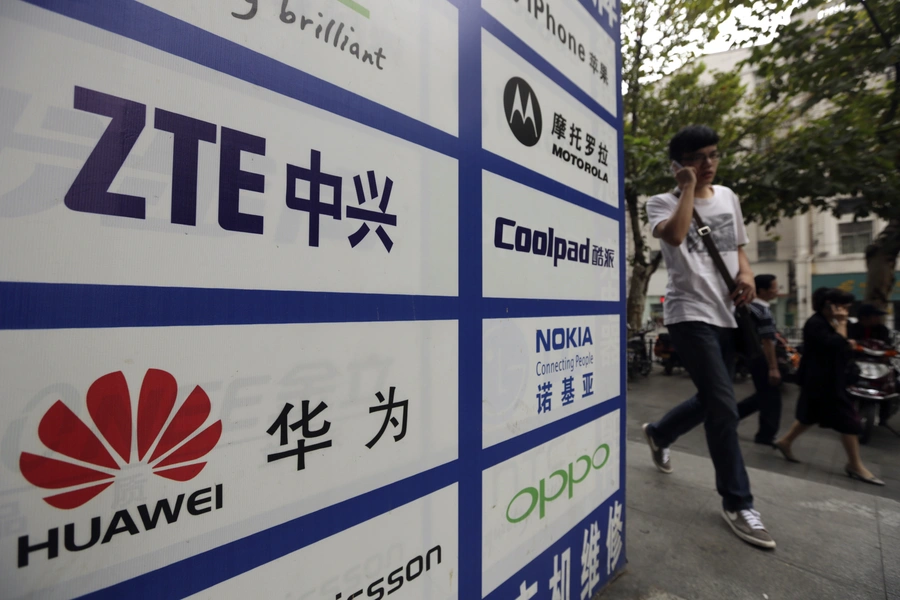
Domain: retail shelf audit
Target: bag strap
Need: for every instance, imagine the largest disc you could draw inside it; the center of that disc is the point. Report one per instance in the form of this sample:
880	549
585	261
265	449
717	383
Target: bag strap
704	232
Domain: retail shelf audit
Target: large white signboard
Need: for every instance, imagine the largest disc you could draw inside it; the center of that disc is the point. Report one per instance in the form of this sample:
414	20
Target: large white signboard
315	299
540	370
531	121
565	34
566	251
409	553
196	422
370	48
141	177
530	498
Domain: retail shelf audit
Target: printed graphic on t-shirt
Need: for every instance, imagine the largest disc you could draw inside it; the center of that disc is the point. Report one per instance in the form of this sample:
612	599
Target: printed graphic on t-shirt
722	227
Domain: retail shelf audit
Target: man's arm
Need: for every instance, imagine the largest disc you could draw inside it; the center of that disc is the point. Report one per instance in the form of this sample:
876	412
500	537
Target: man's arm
674	230
765	326
745	291
768	348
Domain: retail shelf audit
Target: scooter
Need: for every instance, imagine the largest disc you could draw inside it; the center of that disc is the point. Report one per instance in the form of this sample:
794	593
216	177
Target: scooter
638	356
875	386
664	350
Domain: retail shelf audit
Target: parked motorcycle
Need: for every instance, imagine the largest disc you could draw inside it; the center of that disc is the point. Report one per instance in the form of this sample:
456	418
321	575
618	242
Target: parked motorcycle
874	385
664	350
638	355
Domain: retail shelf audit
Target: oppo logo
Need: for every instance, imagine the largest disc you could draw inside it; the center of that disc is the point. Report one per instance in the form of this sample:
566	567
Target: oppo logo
526	500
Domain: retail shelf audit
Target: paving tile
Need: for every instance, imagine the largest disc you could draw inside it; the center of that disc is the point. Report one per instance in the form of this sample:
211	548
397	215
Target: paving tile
709	563
821	546
659	495
890	548
823	504
646	540
837	538
888	517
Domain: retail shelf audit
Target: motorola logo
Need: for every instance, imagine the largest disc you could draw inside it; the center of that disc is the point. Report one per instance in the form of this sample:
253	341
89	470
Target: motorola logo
523	113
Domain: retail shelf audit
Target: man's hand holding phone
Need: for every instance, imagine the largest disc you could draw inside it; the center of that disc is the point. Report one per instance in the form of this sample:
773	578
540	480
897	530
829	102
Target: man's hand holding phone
685	176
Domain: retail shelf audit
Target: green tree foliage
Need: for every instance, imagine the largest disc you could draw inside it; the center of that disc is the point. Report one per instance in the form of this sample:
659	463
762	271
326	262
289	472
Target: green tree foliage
660	37
834	75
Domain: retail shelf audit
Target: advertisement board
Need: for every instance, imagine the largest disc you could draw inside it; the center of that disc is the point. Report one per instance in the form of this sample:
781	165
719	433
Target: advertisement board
311	299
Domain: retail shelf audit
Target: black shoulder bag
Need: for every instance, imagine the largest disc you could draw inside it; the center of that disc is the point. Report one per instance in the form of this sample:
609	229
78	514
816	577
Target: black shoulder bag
747	340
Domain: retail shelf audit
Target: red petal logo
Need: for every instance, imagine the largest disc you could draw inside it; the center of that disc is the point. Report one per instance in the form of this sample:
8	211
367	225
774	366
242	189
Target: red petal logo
176	447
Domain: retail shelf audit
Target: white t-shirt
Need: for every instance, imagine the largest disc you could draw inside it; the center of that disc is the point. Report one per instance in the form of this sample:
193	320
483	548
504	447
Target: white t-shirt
696	290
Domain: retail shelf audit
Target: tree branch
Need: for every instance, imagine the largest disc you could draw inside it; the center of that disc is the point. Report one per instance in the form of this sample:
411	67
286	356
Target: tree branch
895	100
878	28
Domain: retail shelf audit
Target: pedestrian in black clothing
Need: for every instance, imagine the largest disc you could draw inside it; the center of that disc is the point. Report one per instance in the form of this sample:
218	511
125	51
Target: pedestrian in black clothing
823	381
764	369
869	325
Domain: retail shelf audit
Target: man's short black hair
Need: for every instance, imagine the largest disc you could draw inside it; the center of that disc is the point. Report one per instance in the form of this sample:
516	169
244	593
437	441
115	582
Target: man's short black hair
763	282
825	295
691	139
839	297
818	298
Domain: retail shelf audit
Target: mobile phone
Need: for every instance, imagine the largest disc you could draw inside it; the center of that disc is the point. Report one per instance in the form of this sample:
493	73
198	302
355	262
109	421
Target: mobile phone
676	166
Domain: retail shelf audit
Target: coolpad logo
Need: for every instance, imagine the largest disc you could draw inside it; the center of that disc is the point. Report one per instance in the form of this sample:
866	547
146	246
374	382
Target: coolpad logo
517	510
509	236
168	446
523	113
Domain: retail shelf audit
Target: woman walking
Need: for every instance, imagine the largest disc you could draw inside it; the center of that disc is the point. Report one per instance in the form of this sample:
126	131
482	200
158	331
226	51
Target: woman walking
823	381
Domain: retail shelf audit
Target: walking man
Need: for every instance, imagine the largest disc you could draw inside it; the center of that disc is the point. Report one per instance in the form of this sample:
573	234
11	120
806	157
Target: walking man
699	316
764	370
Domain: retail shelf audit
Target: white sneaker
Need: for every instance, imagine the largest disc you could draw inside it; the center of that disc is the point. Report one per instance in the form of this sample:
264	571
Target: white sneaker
660	455
747	525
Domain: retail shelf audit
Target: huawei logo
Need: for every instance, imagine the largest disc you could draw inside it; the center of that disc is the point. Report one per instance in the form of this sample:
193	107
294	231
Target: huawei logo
170	446
523	113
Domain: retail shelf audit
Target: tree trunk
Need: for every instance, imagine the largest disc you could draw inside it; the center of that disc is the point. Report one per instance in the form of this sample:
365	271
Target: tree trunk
637	291
641	270
881	262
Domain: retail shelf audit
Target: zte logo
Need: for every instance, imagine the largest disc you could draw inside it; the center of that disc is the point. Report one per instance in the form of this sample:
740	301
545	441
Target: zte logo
523	113
562	338
166	442
321	198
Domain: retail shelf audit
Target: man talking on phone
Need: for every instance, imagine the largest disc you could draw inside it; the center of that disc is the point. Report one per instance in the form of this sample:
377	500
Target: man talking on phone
699	316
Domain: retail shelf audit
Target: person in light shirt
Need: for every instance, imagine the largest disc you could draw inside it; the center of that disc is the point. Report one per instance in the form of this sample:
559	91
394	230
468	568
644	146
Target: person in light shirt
699	316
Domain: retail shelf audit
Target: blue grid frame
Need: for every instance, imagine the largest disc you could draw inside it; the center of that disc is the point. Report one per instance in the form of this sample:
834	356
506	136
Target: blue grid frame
29	305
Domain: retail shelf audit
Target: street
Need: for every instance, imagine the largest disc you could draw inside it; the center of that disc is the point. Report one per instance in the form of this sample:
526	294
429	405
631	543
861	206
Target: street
837	538
820	449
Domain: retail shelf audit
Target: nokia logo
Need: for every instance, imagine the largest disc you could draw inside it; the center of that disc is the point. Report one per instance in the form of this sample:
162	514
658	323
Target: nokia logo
523	113
561	338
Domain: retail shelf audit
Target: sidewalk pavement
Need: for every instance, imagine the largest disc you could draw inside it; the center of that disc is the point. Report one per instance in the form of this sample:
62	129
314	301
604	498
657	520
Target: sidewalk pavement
832	543
820	449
